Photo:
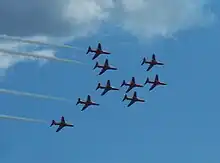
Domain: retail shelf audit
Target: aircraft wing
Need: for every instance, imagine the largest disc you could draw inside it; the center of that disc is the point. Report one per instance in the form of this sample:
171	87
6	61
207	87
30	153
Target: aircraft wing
131	103
135	95
152	87
108	84
105	91
99	47
133	80
59	128
88	98
102	71
95	56
106	62
156	78
150	66
129	88
153	57
62	120
84	107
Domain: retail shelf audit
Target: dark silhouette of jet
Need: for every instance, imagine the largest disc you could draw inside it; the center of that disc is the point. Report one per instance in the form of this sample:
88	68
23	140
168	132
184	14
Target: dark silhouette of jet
61	124
154	83
106	88
133	99
152	63
86	103
131	85
104	67
97	51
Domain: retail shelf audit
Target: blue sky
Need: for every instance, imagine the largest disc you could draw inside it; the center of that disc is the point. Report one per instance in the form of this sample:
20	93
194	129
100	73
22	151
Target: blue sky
178	123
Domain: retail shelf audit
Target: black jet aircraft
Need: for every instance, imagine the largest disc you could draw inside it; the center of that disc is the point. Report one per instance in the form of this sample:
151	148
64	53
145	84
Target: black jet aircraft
133	99
131	85
104	67
152	62
86	103
106	88
61	124
97	51
154	83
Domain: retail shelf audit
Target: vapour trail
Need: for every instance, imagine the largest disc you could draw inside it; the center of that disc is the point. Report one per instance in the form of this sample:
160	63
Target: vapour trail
37	42
2	116
33	95
39	56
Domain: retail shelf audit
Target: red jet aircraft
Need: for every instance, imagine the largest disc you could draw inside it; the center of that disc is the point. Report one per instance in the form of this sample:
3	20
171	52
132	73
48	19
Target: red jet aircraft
133	99
61	124
154	83
104	67
106	88
131	85
86	103
152	62
97	51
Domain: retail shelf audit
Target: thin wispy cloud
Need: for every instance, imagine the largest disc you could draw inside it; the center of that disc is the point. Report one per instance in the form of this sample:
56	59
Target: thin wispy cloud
71	19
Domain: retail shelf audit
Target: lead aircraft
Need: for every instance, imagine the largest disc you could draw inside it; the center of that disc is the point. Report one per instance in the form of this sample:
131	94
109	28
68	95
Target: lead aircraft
106	88
97	51
131	85
61	124
154	83
133	99
86	103
104	67
152	63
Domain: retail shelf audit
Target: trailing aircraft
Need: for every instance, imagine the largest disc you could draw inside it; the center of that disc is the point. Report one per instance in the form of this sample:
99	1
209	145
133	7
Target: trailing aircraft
131	85
104	67
152	62
61	124
133	99
97	51
154	83
86	103
106	88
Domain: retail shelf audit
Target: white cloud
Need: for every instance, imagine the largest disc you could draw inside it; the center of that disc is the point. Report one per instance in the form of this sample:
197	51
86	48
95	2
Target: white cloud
61	21
153	18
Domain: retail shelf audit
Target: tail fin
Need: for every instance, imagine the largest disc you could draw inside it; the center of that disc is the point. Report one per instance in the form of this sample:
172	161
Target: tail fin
96	65
53	123
125	97
78	101
89	50
98	86
147	81
144	60
123	83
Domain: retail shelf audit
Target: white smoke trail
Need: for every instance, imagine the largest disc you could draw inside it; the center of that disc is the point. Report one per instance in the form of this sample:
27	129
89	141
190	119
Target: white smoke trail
2	116
37	42
34	95
39	56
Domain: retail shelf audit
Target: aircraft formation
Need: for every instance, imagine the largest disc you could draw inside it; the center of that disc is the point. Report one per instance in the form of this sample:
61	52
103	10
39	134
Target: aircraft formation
108	87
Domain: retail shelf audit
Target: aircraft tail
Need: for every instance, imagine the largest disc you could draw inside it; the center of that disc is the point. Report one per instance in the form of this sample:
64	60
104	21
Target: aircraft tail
78	101
89	50
123	83
125	98
147	81
99	84
96	65
53	123
144	60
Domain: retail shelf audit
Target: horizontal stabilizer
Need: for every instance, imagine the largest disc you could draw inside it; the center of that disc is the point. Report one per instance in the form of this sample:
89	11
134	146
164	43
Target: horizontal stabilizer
98	86
144	60
123	83
96	65
89	50
78	101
